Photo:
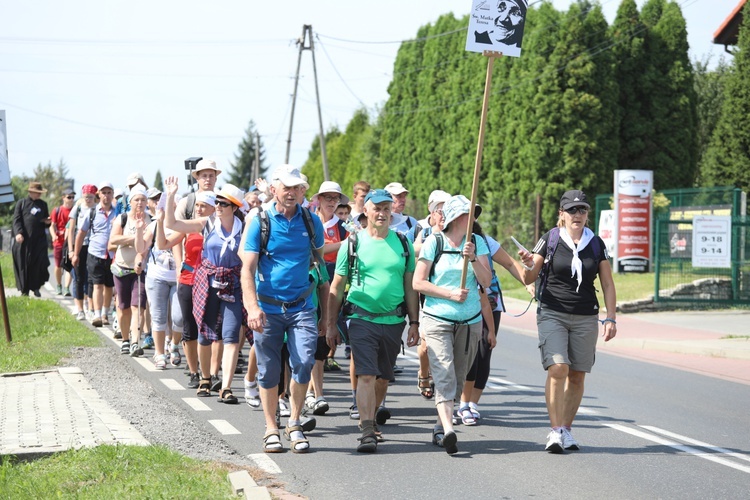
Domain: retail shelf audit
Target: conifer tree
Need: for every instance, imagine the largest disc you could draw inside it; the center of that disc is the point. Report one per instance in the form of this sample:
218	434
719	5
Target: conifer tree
158	183
727	160
241	169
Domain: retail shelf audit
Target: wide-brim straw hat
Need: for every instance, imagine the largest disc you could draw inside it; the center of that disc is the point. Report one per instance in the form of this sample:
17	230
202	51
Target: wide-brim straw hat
36	187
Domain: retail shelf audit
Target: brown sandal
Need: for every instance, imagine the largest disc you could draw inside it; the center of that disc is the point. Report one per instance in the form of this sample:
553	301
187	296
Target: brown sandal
288	434
204	388
426	387
226	397
272	445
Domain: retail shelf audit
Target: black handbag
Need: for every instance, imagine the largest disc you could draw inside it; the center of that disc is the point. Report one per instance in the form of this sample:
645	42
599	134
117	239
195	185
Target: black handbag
66	263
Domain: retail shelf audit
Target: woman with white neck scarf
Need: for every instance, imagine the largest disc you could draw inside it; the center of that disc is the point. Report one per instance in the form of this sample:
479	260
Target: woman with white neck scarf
568	314
217	296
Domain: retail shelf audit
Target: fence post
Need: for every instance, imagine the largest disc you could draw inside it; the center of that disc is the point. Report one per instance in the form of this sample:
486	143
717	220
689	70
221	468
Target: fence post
657	260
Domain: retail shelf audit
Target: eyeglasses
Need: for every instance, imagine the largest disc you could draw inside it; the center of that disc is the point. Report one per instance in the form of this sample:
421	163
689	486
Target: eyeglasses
440	213
577	210
330	197
223	204
70	196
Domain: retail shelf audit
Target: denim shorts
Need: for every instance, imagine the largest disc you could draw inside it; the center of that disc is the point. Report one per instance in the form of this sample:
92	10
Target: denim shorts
302	340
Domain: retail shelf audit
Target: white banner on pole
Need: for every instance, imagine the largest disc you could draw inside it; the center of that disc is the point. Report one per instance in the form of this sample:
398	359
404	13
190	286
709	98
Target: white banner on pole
6	190
496	25
712	241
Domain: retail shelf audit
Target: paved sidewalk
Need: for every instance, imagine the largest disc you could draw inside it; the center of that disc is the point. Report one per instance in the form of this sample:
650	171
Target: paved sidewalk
46	412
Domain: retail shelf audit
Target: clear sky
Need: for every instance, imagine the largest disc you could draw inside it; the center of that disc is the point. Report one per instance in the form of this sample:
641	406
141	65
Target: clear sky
114	87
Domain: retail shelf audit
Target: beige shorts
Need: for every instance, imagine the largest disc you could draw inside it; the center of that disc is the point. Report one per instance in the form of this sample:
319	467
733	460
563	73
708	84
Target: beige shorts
567	339
450	355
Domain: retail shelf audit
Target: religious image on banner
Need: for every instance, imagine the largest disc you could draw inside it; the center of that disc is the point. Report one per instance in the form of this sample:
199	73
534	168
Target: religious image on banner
497	25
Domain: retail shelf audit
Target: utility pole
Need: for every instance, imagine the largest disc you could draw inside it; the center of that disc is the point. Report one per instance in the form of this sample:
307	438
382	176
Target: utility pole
305	42
256	162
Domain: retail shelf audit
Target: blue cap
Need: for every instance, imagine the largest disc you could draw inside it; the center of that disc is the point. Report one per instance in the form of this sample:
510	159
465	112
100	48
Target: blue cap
378	196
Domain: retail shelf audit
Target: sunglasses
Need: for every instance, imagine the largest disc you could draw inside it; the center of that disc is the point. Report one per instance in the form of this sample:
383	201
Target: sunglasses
70	197
223	204
577	210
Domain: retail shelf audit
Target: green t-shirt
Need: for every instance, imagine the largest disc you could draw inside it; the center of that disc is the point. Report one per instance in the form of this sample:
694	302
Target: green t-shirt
377	283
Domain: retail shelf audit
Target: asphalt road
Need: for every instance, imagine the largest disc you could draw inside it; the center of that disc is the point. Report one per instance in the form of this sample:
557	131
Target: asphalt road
646	431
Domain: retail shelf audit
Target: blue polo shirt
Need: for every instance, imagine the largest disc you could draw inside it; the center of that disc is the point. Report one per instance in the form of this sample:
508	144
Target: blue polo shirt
284	274
99	232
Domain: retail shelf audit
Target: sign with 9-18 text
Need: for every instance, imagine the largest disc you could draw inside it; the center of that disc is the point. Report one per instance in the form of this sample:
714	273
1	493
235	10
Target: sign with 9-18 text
712	241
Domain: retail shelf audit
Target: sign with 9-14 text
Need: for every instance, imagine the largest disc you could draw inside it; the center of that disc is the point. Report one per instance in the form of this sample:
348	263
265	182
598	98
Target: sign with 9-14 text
712	241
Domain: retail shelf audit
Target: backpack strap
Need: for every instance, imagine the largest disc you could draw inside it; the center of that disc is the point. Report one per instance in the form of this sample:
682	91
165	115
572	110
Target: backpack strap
552	241
123	219
439	251
92	216
265	232
190	206
315	258
352	258
342	230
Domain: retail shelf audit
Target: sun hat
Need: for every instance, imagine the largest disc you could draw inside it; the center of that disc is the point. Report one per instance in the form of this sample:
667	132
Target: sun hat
207	197
396	188
289	176
455	207
232	193
137	190
205	165
378	196
437	197
152	193
134	179
574	198
36	187
330	187
118	193
88	189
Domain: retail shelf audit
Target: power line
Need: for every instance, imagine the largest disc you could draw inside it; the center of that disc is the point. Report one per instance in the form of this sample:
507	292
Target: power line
95	41
339	74
411	40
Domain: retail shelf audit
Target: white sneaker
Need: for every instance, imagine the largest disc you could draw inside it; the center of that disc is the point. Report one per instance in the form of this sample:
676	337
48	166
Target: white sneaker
80	315
567	440
554	442
284	410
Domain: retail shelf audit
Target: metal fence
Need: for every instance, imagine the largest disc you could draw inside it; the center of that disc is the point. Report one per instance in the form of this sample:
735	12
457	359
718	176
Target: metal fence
677	280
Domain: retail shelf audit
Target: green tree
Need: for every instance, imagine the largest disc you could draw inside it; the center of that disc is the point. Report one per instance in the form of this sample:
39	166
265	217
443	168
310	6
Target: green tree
671	147
727	161
158	183
241	169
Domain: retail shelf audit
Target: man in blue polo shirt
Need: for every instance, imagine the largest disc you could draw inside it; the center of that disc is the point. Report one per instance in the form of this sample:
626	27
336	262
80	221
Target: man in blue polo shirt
99	258
276	292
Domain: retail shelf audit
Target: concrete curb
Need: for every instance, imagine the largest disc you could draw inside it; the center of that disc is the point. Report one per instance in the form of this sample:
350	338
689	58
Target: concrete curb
725	348
244	484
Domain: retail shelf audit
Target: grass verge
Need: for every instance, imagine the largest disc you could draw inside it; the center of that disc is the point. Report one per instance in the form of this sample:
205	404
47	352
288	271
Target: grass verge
43	334
6	263
115	472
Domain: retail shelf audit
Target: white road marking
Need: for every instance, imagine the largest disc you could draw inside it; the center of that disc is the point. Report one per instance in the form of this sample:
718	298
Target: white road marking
146	363
224	427
265	463
695	442
510	385
678	446
587	411
196	404
172	384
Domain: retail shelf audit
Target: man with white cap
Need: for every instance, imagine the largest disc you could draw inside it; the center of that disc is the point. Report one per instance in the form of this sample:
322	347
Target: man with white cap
276	291
205	174
99	258
401	223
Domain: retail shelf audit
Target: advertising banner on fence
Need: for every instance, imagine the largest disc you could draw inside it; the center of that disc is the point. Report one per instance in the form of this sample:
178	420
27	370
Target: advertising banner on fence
6	190
607	229
712	241
633	219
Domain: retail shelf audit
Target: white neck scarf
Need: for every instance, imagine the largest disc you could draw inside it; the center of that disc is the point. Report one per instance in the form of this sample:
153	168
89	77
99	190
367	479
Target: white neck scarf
228	240
576	266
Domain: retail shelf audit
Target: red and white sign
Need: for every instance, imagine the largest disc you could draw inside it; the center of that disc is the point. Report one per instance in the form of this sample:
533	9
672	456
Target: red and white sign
633	216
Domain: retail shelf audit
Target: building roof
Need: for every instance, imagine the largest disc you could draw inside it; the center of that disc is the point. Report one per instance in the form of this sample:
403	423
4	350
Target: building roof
727	32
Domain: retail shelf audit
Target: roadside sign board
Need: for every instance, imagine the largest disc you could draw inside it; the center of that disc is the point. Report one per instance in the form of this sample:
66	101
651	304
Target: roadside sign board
712	241
496	25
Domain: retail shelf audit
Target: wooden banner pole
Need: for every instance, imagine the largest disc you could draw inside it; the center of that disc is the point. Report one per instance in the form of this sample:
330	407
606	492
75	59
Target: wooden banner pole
490	55
4	306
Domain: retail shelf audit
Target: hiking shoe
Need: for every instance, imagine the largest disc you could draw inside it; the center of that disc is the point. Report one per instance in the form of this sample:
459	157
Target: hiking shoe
125	348
320	406
354	412
66	292
37	293
215	383
58	290
80	315
382	415
195	380
348	352
135	350
97	322
397	369
568	442
331	365
148	342
117	335
554	442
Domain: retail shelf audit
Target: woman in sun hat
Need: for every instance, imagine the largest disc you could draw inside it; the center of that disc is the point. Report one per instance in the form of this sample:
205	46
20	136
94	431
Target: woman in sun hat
568	313
452	316
217	296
